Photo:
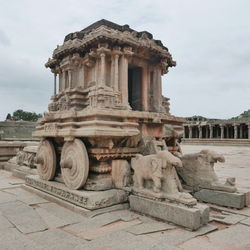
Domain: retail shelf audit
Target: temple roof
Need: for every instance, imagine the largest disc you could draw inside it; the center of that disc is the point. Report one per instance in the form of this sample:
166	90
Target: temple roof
103	31
115	26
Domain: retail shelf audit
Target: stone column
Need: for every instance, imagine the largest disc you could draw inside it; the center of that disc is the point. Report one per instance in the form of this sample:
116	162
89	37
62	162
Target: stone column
228	135
70	79
221	131
241	131
55	83
248	127
157	92
235	131
190	132
102	71
124	80
211	131
116	73
200	131
145	93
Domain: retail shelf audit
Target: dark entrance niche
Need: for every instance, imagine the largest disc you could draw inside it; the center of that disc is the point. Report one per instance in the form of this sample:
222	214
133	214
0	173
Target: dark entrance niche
134	87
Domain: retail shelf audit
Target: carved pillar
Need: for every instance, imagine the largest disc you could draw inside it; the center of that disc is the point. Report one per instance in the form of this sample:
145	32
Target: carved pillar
222	131
211	131
200	131
64	80
102	71
116	72
70	79
145	94
124	80
157	90
235	131
55	83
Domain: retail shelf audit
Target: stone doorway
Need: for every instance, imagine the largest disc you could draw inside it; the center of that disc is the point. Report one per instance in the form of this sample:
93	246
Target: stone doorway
134	87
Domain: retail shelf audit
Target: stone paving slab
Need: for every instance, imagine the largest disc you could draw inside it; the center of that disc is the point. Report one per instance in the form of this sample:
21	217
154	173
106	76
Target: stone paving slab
145	228
25	196
246	222
56	239
120	240
114	227
23	217
6	197
179	235
229	219
12	239
64	214
50	219
4	223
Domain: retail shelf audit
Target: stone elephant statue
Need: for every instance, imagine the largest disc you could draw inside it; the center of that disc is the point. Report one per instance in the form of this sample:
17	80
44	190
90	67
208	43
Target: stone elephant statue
198	171
151	167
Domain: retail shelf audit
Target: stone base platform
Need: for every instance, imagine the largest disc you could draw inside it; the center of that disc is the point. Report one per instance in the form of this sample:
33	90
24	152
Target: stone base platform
190	217
225	199
87	199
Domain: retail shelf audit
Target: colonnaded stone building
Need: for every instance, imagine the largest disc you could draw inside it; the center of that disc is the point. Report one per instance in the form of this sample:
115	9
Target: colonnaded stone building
235	130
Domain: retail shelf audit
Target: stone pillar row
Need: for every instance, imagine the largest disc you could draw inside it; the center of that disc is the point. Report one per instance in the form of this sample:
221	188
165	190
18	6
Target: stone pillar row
233	134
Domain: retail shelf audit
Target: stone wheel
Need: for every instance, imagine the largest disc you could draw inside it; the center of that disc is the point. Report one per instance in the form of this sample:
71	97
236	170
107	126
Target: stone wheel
74	164
46	160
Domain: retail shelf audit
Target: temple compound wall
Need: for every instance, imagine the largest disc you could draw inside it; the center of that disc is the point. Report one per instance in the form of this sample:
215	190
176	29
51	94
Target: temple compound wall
215	130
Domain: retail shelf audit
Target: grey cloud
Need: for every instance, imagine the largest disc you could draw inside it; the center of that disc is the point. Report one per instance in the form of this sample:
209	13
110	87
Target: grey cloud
4	40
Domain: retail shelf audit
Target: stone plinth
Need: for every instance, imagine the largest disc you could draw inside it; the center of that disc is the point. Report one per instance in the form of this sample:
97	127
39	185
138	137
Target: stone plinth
235	200
87	199
189	217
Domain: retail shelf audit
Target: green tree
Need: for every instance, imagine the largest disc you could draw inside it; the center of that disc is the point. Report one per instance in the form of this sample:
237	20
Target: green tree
20	115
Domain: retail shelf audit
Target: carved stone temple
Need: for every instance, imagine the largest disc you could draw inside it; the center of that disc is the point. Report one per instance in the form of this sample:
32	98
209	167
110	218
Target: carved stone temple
104	140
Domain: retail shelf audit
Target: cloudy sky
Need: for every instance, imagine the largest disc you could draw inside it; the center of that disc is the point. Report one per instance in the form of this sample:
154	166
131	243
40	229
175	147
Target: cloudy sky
210	40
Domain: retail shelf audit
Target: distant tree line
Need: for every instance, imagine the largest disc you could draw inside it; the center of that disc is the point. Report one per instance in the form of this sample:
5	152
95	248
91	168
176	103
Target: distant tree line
21	115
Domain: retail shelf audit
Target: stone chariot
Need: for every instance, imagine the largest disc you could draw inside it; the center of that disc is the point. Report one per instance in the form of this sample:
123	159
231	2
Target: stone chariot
107	104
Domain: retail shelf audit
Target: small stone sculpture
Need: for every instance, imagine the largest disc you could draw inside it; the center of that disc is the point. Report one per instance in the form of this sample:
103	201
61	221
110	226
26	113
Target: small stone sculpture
157	172
198	171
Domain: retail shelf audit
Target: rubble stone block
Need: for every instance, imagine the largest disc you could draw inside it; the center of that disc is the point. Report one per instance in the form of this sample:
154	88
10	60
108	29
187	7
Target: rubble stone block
235	200
189	217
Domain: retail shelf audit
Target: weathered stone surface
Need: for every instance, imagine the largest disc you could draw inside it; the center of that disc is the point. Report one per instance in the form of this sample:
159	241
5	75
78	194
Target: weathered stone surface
198	171
23	217
121	173
229	219
87	199
191	218
4	223
25	196
235	200
63	214
91	234
99	211
245	222
11	239
98	182
23	171
5	197
145	228
56	239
